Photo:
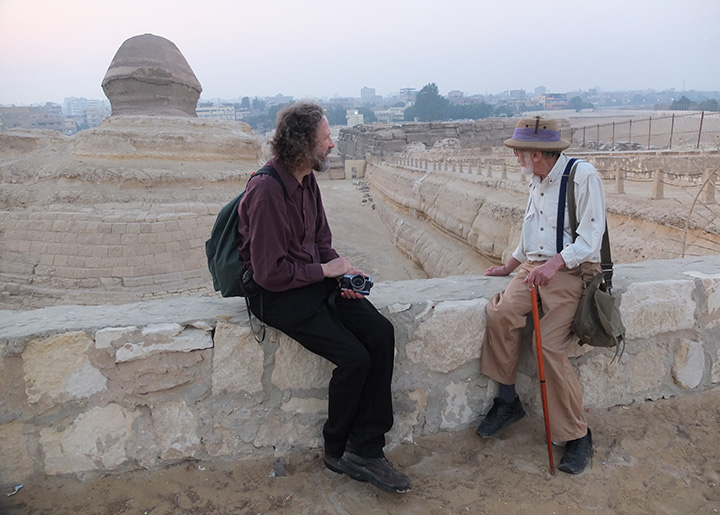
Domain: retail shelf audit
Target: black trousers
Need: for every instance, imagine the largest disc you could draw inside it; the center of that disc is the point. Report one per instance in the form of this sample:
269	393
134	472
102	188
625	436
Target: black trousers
354	336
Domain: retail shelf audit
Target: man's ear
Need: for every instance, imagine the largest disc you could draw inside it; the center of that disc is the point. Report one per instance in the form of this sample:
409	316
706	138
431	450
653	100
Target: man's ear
536	156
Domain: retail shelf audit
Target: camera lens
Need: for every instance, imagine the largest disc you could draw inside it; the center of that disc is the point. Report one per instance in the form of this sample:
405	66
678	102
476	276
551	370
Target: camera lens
357	281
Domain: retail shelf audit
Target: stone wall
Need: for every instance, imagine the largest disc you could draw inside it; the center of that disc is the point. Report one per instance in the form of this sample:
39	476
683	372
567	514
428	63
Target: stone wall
97	389
454	220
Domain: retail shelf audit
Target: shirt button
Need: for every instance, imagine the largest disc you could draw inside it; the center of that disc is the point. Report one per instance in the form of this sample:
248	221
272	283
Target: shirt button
541	247
542	194
542	228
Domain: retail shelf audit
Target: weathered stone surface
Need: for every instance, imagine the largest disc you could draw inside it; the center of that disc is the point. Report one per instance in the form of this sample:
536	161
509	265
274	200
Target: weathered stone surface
57	369
646	370
715	372
298	368
15	461
237	360
149	75
298	405
689	365
176	428
164	338
652	308
457	411
282	433
95	440
711	286
451	337
113	337
601	380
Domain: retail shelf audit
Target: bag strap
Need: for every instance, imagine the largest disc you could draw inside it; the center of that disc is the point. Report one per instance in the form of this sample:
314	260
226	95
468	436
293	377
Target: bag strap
606	263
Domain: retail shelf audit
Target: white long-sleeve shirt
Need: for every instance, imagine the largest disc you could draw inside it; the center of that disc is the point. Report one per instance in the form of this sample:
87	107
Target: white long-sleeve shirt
538	241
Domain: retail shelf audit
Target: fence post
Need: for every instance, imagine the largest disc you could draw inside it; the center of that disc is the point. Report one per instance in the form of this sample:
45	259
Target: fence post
598	136
504	170
709	194
460	167
619	181
613	137
702	117
657	186
630	136
649	131
672	128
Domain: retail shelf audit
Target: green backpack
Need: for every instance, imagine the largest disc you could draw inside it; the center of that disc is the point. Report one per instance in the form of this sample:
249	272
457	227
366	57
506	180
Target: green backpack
222	249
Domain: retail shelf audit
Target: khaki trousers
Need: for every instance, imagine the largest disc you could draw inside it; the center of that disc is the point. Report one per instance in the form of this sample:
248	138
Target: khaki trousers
506	316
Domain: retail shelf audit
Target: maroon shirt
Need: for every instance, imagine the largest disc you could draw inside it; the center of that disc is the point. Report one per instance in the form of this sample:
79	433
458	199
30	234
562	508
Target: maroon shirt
284	239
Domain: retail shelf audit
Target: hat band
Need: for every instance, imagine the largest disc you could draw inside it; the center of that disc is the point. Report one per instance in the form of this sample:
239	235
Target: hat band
531	134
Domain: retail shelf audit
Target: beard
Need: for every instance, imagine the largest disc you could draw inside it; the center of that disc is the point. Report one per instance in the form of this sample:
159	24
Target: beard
322	162
527	157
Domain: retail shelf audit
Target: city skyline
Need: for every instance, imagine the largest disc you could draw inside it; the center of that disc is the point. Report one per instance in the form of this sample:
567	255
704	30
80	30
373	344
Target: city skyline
51	50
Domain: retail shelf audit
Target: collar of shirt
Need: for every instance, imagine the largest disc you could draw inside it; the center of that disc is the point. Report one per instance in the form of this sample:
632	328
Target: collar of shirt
288	179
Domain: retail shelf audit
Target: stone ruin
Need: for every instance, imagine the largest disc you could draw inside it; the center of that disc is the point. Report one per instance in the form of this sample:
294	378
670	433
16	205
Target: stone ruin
120	213
149	76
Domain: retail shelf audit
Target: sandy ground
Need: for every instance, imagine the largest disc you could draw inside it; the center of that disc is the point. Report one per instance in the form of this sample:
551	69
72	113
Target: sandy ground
659	457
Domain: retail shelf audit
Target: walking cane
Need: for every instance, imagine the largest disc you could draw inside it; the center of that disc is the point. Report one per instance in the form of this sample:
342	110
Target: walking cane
541	371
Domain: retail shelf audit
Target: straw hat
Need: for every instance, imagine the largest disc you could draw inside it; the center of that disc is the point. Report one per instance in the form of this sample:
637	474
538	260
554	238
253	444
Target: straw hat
537	133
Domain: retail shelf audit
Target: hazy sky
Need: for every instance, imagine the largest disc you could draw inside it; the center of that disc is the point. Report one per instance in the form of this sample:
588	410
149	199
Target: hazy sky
52	49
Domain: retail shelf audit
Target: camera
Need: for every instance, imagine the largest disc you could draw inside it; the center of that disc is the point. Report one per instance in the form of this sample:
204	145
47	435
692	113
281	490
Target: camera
357	283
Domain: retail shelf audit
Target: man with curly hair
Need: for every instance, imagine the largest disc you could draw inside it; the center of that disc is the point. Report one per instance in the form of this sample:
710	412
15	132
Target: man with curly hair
287	244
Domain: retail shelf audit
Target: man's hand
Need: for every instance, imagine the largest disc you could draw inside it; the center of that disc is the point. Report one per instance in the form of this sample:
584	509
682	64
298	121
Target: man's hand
543	274
337	267
505	269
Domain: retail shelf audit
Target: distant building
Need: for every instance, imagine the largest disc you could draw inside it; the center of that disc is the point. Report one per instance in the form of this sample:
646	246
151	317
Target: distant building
391	114
353	117
86	113
555	101
217	112
368	96
540	91
48	117
455	97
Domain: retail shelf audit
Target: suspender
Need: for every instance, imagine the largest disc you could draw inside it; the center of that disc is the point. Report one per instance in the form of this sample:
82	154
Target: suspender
606	263
561	205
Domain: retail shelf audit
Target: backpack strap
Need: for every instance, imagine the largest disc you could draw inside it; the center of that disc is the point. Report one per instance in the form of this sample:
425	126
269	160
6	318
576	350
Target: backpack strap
561	206
272	172
606	263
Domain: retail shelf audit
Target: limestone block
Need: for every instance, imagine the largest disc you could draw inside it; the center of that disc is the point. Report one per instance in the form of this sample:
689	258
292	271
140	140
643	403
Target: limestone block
13	400
113	337
15	461
646	369
176	428
602	382
164	338
282	433
221	442
457	410
57	369
298	368
95	440
715	372
689	365
237	360
451	337
653	308
298	405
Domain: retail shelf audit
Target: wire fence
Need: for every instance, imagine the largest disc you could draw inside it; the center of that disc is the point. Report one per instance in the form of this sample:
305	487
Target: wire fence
681	131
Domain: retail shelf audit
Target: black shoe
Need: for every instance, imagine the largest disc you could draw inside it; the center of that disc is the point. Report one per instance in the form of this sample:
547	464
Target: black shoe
577	454
332	463
378	471
500	416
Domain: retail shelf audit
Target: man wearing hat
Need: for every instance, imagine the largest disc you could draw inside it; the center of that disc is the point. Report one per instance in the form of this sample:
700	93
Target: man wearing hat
550	260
